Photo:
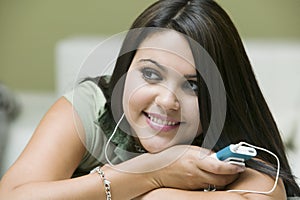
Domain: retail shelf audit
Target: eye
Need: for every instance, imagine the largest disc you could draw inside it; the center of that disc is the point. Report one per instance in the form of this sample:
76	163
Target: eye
150	74
190	86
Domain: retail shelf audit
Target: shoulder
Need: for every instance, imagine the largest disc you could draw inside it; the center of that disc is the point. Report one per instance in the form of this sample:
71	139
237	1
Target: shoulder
88	101
87	92
253	180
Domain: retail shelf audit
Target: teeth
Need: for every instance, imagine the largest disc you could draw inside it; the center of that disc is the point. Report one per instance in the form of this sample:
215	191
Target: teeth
159	121
162	122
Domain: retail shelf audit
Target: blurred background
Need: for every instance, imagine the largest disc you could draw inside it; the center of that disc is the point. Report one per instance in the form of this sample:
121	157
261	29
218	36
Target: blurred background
43	43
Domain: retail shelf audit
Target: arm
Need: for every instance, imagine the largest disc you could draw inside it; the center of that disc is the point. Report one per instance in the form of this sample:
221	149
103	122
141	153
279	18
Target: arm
257	181
249	180
44	168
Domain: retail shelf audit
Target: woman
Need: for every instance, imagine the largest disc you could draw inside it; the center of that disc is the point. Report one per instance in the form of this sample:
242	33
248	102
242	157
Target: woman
164	83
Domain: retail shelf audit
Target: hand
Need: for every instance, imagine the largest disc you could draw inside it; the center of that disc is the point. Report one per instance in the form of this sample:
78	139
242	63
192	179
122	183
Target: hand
194	169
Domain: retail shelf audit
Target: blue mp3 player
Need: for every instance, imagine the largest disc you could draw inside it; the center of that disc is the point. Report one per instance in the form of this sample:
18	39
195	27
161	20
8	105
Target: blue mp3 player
235	154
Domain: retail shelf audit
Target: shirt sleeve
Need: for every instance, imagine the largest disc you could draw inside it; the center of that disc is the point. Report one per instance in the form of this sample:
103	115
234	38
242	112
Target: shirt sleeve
87	100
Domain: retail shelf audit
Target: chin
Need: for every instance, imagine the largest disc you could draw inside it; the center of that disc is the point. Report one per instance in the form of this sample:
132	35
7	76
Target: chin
156	146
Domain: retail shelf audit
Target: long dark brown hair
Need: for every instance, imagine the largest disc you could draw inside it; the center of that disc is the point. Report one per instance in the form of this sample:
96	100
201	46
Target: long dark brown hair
248	117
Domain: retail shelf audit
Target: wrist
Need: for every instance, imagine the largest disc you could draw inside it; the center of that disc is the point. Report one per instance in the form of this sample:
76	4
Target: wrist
156	178
128	185
106	183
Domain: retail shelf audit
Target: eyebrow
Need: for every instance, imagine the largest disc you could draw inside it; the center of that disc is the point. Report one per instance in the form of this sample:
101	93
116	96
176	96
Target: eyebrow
164	68
155	63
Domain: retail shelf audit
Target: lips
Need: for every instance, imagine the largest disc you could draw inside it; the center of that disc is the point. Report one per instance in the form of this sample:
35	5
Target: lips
161	123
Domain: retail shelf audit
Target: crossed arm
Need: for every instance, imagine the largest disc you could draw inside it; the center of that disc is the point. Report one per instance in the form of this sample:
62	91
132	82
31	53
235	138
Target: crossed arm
44	168
248	180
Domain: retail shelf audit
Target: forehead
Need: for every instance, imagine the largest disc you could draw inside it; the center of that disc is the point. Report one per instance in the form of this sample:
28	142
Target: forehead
170	42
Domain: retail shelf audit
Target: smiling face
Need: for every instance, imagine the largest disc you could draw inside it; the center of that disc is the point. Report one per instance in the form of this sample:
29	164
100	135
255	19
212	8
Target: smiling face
160	94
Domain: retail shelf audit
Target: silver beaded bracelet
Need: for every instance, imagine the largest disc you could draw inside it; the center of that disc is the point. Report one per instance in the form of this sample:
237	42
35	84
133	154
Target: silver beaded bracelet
106	182
210	188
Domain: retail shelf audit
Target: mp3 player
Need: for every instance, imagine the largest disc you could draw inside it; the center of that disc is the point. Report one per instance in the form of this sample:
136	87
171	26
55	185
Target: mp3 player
235	154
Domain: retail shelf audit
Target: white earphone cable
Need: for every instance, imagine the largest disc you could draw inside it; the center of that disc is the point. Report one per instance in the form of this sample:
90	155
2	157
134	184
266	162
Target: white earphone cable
240	144
112	135
277	173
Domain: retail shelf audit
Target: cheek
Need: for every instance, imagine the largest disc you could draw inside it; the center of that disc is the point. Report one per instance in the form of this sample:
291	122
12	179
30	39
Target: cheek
190	106
191	110
137	96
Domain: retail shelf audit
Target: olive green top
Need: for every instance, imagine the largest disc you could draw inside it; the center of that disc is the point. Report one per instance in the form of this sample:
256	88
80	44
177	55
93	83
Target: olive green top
89	103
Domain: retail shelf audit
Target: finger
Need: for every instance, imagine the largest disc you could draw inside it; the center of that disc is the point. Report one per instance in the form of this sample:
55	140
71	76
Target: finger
216	166
216	179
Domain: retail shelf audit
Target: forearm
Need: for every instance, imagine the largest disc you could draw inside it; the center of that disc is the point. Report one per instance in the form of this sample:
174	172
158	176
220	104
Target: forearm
85	187
177	194
249	180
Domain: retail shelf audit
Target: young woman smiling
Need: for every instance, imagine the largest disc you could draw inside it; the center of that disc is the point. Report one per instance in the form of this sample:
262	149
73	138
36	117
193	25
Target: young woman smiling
181	89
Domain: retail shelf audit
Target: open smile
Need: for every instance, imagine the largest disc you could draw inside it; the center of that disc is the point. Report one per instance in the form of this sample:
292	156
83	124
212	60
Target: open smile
161	123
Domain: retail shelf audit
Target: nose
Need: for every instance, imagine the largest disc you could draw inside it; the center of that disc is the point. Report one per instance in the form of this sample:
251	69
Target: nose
167	100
